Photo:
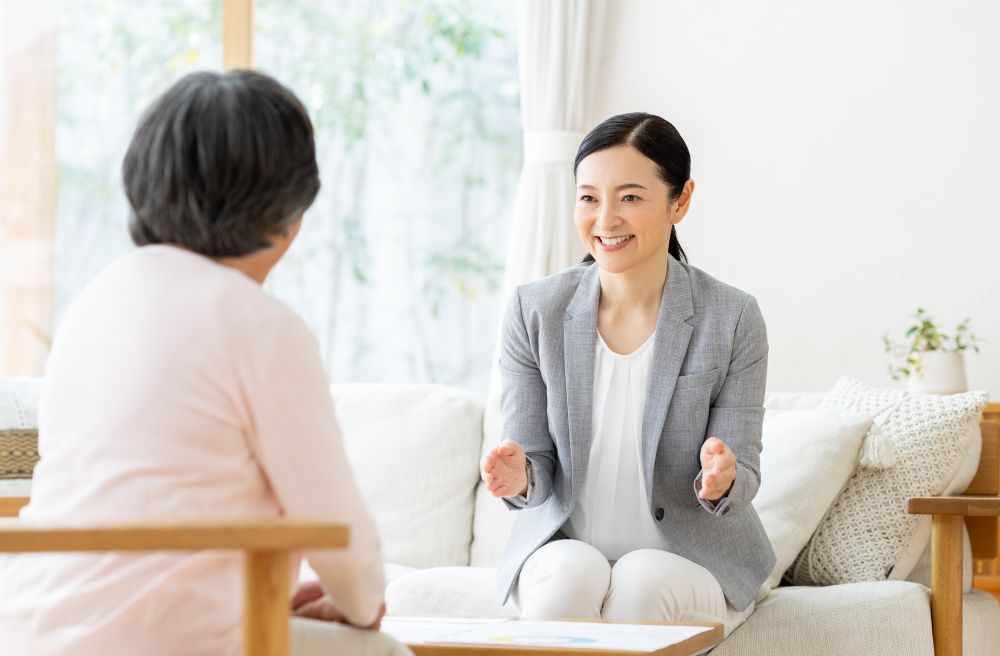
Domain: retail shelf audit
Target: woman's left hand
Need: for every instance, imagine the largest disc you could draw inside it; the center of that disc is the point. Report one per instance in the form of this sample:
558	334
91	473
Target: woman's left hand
718	469
310	601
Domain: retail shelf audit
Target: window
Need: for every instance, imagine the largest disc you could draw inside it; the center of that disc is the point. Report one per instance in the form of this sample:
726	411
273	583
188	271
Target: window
74	77
114	59
398	265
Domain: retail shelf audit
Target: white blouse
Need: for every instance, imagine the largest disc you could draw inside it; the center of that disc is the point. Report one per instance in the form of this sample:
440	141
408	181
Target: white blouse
611	512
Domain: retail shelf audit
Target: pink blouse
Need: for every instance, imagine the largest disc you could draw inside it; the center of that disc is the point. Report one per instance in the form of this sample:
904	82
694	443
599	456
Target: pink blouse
177	389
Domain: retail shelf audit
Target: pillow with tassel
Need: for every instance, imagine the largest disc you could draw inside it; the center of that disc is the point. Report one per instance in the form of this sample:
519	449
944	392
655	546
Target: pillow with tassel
916	446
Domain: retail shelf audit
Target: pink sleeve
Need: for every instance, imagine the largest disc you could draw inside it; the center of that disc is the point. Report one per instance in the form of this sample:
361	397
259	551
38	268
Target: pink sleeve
297	442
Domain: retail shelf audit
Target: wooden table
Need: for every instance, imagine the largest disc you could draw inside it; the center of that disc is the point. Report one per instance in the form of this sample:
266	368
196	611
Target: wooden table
690	646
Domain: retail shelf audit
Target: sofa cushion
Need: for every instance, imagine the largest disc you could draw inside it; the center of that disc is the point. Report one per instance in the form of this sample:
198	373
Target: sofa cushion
492	521
415	452
867	535
980	624
807	457
447	592
887	617
15	487
391	571
19	403
781	402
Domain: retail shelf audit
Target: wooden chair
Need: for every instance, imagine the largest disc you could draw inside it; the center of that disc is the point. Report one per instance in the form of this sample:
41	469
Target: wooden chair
267	545
979	507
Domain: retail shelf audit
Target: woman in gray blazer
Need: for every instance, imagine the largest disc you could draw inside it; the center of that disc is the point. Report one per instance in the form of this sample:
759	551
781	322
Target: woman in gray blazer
632	398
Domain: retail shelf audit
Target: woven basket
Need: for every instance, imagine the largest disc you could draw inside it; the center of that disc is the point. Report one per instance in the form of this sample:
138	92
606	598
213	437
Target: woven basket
18	452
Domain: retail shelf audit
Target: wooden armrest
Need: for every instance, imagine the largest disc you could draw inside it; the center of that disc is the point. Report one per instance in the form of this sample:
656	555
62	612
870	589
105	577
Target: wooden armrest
266	544
947	518
245	535
965	506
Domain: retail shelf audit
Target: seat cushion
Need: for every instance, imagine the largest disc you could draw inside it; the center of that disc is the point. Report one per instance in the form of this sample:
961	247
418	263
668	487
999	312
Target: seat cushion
980	624
875	618
447	592
885	617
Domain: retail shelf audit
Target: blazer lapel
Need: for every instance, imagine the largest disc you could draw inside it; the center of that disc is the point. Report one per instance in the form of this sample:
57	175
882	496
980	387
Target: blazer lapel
672	337
579	342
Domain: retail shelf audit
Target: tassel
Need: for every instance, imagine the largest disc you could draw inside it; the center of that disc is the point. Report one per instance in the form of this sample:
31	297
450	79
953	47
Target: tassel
877	451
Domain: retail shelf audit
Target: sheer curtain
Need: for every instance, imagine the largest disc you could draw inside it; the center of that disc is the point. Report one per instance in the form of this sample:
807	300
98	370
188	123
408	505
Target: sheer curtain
558	49
27	183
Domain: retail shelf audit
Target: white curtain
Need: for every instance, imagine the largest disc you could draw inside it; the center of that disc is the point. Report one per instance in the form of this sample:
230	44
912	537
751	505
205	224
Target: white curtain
558	50
28	173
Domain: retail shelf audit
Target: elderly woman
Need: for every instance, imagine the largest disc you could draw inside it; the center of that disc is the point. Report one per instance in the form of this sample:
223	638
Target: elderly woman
177	389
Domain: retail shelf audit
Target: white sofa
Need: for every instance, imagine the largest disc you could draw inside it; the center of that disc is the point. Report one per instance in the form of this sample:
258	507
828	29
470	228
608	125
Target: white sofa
416	451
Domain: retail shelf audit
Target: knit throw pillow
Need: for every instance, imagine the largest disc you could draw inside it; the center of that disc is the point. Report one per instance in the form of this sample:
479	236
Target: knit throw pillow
914	447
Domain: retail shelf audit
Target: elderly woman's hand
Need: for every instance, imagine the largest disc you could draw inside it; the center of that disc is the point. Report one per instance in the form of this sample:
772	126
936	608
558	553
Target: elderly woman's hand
504	470
718	465
310	601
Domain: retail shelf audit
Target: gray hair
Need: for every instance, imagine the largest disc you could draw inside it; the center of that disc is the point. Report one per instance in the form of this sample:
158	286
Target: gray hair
219	163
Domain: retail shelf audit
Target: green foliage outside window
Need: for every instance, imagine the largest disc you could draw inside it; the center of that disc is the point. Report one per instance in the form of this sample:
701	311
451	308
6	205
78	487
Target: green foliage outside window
398	265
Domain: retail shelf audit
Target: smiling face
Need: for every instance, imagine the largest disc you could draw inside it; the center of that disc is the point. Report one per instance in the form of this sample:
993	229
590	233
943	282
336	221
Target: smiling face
623	209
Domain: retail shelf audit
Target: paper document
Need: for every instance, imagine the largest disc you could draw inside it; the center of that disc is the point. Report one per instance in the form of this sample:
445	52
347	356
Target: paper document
641	638
421	630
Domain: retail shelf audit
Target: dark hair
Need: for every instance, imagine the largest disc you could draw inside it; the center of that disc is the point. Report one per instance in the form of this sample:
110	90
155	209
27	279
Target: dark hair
658	140
219	163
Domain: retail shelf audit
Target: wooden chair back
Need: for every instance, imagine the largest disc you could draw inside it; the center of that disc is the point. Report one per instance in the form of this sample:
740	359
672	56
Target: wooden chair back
267	545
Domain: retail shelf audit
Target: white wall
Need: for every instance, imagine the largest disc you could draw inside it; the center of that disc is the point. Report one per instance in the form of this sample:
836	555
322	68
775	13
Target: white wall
847	163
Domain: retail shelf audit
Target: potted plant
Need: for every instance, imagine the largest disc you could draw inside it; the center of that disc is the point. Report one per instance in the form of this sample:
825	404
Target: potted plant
932	361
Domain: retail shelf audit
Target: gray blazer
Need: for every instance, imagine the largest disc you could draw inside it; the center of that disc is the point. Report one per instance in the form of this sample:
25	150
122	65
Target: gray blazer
706	379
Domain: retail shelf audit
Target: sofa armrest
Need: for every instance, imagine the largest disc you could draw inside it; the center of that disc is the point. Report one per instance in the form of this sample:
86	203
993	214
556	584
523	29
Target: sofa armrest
971	506
948	514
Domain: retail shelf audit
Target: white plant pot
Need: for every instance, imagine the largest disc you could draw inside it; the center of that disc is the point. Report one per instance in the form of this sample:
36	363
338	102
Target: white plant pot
944	373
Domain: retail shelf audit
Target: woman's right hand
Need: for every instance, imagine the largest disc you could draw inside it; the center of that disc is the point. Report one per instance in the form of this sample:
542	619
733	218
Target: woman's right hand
504	470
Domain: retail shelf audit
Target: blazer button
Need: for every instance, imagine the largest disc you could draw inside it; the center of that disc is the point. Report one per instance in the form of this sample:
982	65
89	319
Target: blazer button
659	514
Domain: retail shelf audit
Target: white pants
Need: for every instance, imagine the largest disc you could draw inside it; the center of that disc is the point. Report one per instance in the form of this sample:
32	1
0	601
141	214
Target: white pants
572	579
317	638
